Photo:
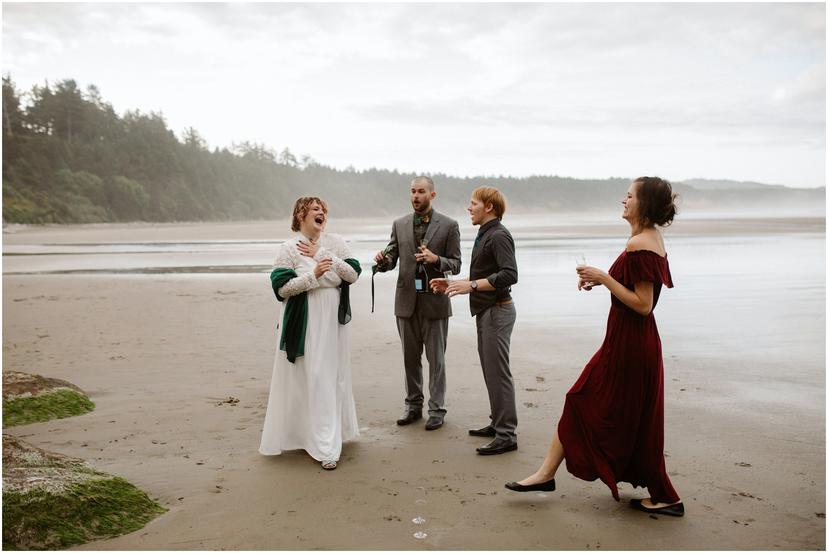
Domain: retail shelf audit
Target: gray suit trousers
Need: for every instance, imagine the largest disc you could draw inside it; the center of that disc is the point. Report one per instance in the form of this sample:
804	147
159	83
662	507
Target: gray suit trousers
415	332
494	333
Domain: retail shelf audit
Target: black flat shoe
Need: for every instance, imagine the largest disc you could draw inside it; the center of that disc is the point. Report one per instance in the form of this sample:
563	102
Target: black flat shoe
497	446
434	423
485	432
676	510
409	417
548	486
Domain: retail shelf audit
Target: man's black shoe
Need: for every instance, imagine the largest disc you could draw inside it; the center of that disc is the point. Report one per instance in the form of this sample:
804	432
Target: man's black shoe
497	446
485	432
409	417
434	423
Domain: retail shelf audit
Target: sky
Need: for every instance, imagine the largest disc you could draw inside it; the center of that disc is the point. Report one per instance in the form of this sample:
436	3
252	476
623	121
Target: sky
703	90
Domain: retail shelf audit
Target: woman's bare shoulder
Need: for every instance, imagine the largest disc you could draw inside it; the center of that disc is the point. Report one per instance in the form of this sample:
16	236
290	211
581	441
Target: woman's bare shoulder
648	240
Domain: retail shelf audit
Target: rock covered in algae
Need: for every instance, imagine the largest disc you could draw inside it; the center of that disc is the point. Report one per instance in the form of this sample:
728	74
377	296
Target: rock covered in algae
51	501
29	398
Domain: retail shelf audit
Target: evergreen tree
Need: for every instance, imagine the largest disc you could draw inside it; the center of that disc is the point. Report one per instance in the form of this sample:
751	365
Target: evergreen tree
69	158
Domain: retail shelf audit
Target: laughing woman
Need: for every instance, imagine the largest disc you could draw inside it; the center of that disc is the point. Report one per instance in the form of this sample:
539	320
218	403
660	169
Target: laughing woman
311	404
612	426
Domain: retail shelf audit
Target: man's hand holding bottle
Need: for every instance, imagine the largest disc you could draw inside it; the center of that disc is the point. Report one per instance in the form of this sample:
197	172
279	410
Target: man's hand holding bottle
383	257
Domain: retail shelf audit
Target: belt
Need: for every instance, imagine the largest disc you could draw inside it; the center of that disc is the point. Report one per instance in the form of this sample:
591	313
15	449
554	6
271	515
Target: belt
504	302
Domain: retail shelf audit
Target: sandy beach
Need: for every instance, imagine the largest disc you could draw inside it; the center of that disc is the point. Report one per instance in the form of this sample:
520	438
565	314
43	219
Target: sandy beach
160	355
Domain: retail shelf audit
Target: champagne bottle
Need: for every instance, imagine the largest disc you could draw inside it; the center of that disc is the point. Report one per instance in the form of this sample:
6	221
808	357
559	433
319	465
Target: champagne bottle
388	251
421	278
421	275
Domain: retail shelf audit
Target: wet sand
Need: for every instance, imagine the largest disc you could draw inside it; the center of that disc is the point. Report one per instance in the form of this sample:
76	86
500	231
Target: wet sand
159	354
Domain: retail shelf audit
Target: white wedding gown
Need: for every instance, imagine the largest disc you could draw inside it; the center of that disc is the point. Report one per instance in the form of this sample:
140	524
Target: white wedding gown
311	403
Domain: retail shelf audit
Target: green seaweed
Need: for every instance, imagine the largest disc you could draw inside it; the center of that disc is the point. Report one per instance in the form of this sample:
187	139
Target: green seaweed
86	511
53	405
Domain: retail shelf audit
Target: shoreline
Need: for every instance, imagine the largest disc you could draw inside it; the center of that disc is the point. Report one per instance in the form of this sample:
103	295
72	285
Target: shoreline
114	233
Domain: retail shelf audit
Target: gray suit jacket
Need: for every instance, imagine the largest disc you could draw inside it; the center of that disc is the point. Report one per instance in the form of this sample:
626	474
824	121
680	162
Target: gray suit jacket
443	238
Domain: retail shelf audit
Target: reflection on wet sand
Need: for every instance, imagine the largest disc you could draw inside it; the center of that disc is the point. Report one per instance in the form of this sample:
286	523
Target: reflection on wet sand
156	331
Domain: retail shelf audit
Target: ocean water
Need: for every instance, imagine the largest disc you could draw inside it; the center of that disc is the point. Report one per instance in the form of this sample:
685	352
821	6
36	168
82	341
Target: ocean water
740	295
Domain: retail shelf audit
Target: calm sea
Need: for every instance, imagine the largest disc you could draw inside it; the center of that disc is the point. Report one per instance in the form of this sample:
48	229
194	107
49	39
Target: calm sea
740	295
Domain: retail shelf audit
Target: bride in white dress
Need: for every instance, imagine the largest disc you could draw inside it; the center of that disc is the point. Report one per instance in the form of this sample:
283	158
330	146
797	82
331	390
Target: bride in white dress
311	403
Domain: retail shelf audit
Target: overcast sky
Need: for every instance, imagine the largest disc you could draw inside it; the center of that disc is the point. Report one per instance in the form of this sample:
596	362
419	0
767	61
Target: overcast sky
584	90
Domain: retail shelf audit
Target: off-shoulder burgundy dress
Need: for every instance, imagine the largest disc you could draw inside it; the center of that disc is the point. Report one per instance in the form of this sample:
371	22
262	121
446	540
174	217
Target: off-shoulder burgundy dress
612	426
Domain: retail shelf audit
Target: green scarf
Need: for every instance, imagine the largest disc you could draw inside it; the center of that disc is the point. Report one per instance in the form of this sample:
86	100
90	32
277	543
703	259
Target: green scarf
345	294
295	319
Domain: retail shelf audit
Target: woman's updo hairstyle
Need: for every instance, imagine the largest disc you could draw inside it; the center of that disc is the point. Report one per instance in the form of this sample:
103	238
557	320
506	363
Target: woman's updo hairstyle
656	201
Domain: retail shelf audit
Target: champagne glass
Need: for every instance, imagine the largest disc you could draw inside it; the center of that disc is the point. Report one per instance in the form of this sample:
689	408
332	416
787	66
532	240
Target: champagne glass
423	245
420	502
447	277
580	262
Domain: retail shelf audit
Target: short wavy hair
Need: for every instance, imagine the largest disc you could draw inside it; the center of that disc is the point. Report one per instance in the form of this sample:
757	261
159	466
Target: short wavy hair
490	195
301	208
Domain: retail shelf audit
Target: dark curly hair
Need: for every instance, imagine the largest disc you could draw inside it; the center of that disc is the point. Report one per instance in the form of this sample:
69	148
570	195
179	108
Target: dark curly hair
656	201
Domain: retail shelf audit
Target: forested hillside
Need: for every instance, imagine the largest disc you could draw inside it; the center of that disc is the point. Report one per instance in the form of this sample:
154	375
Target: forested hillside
68	157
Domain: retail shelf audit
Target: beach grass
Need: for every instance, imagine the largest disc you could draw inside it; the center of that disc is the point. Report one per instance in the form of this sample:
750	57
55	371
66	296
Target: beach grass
56	404
100	508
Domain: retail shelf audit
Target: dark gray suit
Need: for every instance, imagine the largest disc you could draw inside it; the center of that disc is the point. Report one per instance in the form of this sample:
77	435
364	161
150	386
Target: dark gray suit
422	319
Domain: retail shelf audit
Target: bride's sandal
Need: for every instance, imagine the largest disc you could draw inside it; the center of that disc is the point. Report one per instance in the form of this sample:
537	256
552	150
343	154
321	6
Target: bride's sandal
328	464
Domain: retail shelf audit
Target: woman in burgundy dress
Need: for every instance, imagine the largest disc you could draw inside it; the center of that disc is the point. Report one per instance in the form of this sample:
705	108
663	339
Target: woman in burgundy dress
612	426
